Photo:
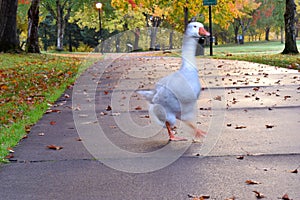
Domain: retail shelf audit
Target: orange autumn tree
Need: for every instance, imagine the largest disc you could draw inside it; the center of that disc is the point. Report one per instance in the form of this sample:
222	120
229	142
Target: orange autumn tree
173	12
246	10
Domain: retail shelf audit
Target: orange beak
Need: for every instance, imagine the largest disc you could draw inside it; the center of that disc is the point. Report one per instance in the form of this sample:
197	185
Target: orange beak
203	32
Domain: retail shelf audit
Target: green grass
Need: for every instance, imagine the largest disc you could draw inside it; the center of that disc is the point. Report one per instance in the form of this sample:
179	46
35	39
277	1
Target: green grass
260	52
28	84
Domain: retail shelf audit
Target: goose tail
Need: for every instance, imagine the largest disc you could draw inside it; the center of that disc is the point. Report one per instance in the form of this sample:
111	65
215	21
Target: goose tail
148	94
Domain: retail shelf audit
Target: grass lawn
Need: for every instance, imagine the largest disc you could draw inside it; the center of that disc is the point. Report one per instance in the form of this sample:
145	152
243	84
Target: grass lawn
259	52
28	85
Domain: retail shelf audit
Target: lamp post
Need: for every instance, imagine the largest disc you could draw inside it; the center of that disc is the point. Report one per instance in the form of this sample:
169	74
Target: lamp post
99	7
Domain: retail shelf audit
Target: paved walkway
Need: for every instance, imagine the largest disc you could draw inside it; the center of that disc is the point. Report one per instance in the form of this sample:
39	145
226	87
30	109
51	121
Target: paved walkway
250	111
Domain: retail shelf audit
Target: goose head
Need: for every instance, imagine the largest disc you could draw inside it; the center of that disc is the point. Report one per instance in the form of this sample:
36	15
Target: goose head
196	29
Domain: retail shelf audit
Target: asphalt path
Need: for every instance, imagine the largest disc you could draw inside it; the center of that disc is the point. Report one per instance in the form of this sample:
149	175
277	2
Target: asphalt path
108	147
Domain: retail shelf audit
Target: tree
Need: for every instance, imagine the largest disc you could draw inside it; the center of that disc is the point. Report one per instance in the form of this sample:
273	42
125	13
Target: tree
8	30
247	9
32	42
290	29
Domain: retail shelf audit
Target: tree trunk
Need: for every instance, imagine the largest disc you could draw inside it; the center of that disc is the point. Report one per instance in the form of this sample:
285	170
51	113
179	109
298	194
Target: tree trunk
186	16
60	26
267	33
281	35
290	28
171	39
8	26
137	33
32	43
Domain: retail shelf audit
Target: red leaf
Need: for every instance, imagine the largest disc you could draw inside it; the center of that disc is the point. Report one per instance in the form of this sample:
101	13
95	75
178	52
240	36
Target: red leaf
251	182
138	108
285	197
54	147
258	194
52	122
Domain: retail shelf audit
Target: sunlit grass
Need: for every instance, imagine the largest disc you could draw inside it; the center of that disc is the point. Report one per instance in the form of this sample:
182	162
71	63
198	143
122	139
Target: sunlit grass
29	83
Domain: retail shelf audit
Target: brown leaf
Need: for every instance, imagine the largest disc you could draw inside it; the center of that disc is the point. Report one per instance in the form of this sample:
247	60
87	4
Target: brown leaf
285	197
256	88
78	139
138	108
240	127
269	126
9	156
52	122
258	194
108	108
240	157
251	182
218	98
54	147
231	198
295	171
286	97
201	197
28	128
54	110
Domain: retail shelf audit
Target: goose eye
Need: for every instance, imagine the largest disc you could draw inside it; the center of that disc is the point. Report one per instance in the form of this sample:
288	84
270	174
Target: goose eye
195	26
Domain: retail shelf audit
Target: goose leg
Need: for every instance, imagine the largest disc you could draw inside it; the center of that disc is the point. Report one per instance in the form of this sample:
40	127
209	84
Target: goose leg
172	137
198	133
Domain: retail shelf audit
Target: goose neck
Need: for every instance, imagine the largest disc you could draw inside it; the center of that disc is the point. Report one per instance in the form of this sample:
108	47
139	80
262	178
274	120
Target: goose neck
189	47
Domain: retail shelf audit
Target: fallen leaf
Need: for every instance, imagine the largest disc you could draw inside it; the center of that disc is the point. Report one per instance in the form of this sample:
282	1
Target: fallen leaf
51	111
78	139
28	128
9	156
201	197
218	98
240	157
251	182
285	197
25	137
258	194
52	122
231	198
11	150
54	147
240	127
287	97
138	108
269	126
108	108
106	92
67	96
295	171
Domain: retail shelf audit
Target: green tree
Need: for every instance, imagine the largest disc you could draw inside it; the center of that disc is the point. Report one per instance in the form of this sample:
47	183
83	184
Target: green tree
61	10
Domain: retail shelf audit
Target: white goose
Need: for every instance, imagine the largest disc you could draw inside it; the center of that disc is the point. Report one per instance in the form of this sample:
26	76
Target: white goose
175	96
